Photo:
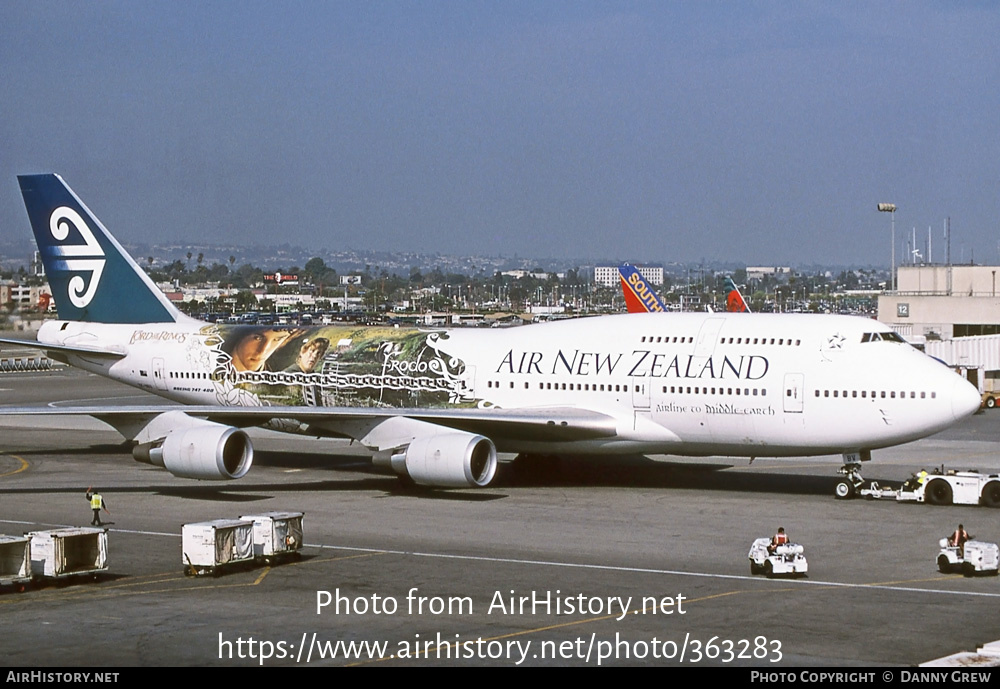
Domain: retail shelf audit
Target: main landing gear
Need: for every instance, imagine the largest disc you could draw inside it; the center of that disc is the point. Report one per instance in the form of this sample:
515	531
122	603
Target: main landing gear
849	486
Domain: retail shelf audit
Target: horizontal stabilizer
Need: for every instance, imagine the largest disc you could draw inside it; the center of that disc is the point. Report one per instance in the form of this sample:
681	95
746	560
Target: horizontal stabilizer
64	349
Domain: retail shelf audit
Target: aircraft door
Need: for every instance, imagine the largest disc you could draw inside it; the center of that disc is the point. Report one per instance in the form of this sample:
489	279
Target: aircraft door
467	386
793	391
158	374
708	336
640	393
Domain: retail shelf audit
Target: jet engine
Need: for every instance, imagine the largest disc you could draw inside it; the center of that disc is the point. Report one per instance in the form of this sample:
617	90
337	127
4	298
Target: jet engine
197	449
452	459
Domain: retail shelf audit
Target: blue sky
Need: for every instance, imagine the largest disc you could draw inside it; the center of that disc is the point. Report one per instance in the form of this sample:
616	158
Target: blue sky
763	132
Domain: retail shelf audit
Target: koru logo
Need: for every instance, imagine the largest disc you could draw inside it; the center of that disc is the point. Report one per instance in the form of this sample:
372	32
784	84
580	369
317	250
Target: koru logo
87	257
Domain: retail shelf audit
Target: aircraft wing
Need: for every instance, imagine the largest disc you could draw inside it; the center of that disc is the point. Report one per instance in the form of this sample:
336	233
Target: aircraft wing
82	350
550	424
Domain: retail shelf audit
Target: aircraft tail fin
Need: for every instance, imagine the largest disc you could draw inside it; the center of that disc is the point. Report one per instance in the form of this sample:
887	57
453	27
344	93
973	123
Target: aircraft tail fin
734	300
640	297
92	277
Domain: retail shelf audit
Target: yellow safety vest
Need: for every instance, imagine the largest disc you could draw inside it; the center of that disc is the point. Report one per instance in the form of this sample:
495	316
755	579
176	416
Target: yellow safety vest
95	501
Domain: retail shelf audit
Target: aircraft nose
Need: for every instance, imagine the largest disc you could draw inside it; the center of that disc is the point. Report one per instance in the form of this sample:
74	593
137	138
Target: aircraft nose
965	398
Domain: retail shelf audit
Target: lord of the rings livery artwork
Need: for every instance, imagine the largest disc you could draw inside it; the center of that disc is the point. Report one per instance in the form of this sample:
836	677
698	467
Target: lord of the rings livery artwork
438	405
336	365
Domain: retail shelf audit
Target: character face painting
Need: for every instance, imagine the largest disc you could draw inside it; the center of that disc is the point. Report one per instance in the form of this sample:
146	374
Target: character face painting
252	351
311	353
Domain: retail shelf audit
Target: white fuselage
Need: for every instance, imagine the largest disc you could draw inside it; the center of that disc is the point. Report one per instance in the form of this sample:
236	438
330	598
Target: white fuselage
691	384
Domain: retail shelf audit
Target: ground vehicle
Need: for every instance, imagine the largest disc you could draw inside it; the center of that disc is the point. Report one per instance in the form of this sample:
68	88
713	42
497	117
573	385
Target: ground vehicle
15	561
977	557
786	559
69	553
942	488
213	546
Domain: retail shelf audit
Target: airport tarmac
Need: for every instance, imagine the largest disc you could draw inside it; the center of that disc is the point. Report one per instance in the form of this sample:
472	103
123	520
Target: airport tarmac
429	576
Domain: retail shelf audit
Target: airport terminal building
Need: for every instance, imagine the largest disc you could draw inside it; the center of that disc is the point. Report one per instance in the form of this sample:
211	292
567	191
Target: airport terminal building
941	302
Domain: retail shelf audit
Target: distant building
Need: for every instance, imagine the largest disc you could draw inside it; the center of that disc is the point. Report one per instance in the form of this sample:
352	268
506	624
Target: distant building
26	297
608	276
518	274
776	272
942	302
37	267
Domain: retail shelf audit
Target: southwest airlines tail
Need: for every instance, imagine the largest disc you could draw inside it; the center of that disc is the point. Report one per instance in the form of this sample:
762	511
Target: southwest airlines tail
92	277
734	300
639	295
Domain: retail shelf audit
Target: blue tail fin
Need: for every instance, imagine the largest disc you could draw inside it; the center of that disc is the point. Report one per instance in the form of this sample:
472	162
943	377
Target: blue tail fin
92	277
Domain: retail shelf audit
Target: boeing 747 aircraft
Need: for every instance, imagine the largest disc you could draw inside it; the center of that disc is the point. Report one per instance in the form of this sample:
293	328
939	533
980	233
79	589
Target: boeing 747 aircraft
437	405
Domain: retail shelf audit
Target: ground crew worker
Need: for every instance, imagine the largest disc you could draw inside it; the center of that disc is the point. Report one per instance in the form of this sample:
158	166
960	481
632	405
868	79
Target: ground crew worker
780	538
959	539
97	503
916	480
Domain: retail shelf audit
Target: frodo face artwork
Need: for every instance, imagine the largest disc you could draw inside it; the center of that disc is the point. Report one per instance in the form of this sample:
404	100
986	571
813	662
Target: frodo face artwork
252	351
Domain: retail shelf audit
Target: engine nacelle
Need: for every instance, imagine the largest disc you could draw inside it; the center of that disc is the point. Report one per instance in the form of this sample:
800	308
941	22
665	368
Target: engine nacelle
200	449
452	459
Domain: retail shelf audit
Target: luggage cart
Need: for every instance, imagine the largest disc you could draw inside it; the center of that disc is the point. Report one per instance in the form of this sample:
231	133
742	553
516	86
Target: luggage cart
277	536
213	546
74	552
15	562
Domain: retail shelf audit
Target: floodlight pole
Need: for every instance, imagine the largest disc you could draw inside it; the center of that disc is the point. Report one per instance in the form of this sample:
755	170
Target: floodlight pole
890	208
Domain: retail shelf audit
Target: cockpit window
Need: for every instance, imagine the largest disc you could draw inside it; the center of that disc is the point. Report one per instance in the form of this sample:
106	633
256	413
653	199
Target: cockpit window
890	336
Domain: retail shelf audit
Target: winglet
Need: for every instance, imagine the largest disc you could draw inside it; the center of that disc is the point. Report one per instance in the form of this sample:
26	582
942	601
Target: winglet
92	277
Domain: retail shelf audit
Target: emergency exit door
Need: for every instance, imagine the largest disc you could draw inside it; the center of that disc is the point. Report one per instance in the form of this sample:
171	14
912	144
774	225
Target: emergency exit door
794	387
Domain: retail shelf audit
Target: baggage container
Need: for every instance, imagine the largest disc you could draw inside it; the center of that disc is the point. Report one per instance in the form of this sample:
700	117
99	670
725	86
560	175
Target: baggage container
75	551
15	561
209	546
276	535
